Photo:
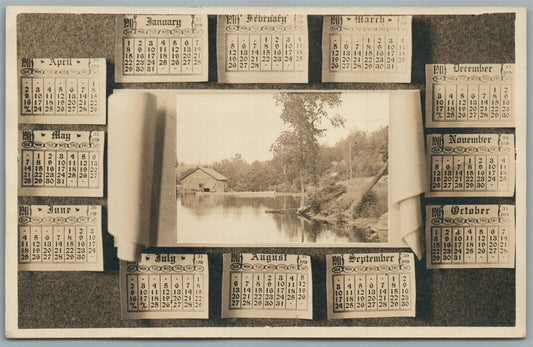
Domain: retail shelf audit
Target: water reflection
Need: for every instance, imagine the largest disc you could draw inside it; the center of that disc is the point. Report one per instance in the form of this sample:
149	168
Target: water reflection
221	218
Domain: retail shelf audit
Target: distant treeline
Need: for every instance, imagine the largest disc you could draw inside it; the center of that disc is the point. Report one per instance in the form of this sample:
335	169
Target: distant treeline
368	153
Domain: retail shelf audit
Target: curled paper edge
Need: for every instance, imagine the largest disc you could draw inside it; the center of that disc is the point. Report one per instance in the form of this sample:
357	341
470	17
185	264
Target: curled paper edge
407	179
131	132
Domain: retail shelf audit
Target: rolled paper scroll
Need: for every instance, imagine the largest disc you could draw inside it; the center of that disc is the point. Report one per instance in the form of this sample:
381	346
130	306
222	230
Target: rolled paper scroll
131	154
407	167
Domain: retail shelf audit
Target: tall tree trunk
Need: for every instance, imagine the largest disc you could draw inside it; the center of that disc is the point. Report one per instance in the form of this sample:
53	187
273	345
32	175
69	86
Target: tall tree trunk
353	207
302	202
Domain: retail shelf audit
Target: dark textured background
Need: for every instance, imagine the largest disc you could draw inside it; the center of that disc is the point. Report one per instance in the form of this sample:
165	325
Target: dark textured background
469	297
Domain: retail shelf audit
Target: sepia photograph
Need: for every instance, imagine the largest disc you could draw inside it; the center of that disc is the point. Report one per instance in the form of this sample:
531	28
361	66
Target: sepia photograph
282	167
265	172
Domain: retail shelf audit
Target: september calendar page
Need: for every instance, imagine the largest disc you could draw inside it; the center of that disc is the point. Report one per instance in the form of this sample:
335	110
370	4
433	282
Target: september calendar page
309	172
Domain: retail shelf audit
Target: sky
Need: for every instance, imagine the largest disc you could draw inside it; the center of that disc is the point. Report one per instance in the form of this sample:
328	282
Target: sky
212	126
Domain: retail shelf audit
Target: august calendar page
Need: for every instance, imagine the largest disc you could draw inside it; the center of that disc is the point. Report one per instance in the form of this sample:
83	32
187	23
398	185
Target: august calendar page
302	172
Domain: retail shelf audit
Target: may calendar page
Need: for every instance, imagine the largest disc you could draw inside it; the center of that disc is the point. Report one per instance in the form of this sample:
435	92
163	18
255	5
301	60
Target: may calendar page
265	172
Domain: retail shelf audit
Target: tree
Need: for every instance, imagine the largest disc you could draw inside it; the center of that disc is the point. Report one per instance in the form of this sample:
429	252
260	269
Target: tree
305	114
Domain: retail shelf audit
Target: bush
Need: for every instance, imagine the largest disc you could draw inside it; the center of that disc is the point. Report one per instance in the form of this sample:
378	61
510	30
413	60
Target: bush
371	205
325	193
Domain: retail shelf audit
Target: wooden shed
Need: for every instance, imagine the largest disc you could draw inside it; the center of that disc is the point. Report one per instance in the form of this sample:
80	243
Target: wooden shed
204	180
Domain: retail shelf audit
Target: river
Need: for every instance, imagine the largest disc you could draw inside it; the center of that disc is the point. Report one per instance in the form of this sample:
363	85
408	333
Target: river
225	218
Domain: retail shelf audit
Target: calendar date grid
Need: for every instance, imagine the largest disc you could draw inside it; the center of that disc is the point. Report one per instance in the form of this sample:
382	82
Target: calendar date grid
264	52
57	244
371	292
268	290
152	56
60	96
56	168
358	53
463	167
470	245
166	290
467	102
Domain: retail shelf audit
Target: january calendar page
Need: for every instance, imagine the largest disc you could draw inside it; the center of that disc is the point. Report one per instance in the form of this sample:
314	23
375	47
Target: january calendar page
161	48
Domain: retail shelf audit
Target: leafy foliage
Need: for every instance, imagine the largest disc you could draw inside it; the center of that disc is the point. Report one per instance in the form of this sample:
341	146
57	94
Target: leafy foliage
299	160
298	148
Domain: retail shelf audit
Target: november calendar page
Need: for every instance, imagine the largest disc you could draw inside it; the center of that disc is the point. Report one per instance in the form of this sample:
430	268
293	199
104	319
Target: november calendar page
247	172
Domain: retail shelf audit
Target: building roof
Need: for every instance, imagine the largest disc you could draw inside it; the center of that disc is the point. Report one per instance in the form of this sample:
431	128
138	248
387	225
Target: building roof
208	171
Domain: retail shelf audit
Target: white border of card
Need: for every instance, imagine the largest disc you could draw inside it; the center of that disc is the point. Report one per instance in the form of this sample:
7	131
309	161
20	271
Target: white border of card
161	48
12	176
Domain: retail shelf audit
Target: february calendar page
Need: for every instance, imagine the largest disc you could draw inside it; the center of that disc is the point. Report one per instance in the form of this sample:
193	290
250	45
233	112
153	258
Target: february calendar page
262	48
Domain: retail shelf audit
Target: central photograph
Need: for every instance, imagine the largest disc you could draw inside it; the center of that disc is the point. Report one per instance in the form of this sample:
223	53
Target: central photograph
283	167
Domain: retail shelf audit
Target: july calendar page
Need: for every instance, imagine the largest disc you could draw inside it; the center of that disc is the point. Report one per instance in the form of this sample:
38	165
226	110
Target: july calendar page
165	286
